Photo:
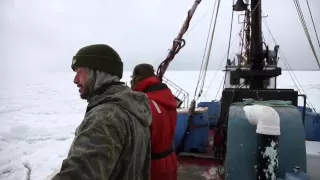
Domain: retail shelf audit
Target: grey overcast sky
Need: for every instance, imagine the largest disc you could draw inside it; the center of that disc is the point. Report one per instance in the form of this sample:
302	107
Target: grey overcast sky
43	34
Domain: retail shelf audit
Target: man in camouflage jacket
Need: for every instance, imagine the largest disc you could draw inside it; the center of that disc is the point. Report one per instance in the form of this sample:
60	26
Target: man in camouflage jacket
113	140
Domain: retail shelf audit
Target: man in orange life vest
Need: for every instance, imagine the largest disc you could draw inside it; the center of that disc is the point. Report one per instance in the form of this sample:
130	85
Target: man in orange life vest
164	113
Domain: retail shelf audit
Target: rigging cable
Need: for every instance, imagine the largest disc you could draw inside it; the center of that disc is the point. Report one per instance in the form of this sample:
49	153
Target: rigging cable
225	74
178	42
209	52
304	25
208	55
315	30
222	82
205	49
195	24
231	26
228	52
288	66
233	43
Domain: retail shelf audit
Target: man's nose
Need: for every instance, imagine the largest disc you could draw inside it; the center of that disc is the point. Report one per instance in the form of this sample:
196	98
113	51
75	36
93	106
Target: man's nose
75	79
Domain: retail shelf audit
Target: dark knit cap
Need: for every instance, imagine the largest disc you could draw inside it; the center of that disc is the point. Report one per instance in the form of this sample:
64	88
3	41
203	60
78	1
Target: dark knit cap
100	57
143	70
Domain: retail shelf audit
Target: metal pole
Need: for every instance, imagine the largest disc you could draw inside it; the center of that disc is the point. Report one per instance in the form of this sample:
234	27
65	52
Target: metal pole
267	156
256	50
304	107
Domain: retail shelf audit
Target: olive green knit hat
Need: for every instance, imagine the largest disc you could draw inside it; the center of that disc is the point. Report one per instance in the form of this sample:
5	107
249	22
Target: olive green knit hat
100	57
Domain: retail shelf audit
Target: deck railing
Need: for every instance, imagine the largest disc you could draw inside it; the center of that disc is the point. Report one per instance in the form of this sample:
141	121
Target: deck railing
181	95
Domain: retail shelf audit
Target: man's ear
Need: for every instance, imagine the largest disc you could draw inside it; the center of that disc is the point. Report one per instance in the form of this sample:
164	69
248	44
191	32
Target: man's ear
132	83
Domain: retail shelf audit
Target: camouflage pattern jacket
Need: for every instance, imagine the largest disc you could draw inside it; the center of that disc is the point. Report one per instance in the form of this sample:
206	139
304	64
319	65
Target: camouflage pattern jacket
113	140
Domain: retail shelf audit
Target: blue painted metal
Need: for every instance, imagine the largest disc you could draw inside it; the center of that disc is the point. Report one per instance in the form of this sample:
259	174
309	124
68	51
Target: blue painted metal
312	126
213	111
307	109
181	126
198	138
242	142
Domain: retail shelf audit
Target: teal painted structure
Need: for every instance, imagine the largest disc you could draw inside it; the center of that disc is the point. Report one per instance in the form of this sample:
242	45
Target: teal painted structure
242	142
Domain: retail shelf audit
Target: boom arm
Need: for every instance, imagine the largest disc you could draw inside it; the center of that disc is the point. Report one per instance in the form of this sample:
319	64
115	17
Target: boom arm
178	42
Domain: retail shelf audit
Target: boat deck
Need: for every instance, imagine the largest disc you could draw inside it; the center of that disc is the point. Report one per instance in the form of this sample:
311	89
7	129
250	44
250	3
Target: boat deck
191	168
196	166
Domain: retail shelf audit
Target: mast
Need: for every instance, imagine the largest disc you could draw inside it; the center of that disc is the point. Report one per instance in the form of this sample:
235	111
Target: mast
256	51
254	70
247	35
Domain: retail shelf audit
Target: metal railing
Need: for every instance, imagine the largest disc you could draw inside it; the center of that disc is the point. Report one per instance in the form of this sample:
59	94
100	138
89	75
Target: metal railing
180	94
